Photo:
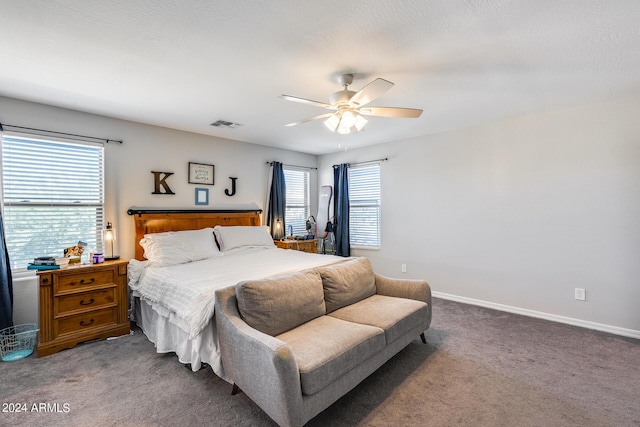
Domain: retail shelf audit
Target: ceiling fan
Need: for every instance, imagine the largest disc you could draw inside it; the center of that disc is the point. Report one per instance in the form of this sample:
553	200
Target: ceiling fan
350	106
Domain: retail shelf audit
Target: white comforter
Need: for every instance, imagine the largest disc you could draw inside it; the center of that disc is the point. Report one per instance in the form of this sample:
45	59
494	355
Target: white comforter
185	292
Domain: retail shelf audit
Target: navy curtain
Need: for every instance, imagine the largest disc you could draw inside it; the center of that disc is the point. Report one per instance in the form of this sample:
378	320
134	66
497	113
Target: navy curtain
6	285
341	209
277	202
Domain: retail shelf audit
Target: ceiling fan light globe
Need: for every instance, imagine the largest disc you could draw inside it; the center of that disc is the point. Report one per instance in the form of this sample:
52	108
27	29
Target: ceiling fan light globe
343	130
332	122
360	122
348	119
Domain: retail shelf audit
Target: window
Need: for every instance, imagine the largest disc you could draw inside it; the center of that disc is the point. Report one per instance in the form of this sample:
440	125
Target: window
53	196
298	200
364	205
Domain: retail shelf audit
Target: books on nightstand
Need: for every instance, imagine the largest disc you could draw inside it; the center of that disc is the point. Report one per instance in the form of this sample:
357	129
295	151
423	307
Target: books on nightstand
42	267
44	260
44	263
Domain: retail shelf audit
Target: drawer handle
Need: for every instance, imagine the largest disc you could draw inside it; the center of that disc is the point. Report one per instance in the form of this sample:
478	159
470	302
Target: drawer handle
91	301
87	282
90	322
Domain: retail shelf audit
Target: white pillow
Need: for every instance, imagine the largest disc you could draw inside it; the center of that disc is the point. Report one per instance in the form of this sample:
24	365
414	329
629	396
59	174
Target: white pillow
236	236
178	247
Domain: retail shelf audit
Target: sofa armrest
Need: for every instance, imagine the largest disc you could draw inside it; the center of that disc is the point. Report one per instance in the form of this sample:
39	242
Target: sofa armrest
404	288
261	365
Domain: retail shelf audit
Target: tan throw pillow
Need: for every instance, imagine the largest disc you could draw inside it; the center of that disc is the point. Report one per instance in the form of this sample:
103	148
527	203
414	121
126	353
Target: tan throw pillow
347	282
279	303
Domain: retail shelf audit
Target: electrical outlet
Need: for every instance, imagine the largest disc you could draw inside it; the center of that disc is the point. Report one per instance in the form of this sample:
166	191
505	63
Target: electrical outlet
403	268
581	294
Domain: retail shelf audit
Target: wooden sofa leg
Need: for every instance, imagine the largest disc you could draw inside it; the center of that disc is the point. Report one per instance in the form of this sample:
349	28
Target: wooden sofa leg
235	389
424	339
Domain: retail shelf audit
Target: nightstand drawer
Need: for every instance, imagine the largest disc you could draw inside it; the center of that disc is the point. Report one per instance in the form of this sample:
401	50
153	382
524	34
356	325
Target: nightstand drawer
84	301
75	282
86	321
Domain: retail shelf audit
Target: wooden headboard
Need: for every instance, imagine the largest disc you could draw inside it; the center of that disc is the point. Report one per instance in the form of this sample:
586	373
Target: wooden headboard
149	221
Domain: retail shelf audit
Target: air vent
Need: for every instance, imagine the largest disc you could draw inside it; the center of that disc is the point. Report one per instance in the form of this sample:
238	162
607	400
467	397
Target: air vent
225	124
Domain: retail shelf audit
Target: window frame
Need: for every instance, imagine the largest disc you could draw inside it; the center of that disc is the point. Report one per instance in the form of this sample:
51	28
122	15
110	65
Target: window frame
299	226
56	201
358	200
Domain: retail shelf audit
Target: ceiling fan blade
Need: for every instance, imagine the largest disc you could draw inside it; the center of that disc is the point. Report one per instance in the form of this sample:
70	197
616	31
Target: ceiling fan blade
408	113
306	101
321	116
370	92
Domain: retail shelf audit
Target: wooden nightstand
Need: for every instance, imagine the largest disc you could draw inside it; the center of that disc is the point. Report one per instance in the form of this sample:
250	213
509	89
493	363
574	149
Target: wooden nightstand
310	246
82	303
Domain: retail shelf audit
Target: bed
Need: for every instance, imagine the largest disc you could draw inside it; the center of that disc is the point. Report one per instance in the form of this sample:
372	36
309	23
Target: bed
191	254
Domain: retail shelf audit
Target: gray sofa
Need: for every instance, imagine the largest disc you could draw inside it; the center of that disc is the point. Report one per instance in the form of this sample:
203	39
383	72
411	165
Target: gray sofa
296	343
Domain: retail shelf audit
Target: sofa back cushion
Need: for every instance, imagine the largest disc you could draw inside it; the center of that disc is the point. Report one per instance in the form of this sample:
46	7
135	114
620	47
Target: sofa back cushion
279	303
347	282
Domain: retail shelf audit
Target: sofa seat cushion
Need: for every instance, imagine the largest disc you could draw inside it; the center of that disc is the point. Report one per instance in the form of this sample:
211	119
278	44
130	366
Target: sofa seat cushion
327	347
347	282
279	303
396	316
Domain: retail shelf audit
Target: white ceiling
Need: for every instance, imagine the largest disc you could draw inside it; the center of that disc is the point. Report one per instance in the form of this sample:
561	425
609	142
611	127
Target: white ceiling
185	64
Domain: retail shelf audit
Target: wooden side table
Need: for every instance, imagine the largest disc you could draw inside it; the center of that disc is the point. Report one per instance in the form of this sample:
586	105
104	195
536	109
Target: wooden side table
81	303
310	246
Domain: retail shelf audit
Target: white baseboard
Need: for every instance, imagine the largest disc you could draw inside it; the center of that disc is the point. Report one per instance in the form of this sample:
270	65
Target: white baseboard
541	315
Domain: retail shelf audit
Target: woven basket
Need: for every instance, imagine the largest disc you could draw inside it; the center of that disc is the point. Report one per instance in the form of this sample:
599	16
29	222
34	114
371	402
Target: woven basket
18	342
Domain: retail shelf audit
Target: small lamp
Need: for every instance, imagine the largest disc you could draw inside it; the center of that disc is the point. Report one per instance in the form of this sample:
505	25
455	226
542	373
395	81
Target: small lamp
109	235
278	232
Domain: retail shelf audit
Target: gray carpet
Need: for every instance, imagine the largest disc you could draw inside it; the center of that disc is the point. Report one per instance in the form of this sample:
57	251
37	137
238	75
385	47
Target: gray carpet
480	368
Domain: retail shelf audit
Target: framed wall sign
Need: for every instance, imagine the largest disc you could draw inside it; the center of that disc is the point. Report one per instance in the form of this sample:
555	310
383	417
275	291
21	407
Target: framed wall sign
202	196
200	173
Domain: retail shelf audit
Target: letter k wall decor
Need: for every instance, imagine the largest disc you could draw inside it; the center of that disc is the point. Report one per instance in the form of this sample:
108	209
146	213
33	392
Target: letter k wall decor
160	183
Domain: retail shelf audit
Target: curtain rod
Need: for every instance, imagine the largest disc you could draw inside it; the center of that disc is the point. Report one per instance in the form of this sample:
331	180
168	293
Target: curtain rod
294	166
107	140
368	161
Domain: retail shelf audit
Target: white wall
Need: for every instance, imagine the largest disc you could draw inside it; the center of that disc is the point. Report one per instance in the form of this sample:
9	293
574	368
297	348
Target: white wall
516	213
128	178
519	213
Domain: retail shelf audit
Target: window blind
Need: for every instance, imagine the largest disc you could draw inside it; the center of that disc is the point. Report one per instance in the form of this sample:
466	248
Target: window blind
364	205
53	196
297	199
